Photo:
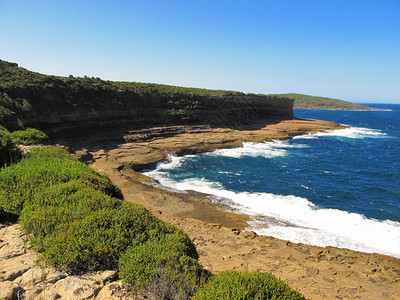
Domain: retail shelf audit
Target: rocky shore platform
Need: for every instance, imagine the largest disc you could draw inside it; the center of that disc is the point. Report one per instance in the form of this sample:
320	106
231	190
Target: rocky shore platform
219	235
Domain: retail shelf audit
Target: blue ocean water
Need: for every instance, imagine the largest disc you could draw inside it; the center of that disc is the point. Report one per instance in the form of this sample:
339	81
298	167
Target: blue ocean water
338	188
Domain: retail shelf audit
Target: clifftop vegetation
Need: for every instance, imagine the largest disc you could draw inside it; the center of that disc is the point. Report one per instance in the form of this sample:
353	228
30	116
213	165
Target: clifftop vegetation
37	100
314	102
13	76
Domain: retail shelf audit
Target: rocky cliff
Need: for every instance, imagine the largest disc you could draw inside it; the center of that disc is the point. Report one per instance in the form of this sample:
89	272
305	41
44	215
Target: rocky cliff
61	104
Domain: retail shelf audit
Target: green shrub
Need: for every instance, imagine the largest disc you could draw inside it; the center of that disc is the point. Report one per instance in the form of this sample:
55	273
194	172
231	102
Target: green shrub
9	153
58	204
30	136
49	152
96	241
73	192
235	285
45	167
163	268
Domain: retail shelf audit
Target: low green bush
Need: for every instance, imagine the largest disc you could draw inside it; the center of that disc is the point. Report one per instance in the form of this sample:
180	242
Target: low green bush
9	153
43	168
96	241
29	136
61	203
49	152
256	285
71	192
164	268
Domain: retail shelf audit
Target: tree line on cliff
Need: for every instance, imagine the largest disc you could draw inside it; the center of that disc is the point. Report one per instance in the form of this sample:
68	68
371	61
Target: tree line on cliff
27	97
316	102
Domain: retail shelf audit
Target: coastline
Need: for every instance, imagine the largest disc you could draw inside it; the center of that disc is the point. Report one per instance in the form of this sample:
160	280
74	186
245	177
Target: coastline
144	148
337	109
121	128
318	272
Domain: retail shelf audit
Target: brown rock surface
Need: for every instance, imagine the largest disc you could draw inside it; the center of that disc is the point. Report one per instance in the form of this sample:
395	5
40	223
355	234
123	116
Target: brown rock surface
116	290
8	290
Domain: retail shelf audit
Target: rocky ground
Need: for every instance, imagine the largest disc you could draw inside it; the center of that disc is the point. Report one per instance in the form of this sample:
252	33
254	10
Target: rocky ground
22	277
222	243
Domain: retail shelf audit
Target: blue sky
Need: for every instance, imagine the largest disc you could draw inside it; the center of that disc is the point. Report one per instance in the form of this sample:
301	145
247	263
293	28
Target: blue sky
343	49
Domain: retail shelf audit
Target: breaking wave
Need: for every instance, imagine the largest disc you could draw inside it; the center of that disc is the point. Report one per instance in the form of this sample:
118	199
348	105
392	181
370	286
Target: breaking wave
351	132
298	220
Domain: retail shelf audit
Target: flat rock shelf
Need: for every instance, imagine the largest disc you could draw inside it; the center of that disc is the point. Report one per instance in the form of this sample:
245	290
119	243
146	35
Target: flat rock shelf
319	273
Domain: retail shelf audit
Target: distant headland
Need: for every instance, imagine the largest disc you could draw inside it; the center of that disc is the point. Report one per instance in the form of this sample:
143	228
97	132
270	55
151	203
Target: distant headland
315	102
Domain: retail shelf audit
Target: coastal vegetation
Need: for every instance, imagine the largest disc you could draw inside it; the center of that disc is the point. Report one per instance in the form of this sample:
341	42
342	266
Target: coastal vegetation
29	136
9	153
313	102
77	220
235	285
167	267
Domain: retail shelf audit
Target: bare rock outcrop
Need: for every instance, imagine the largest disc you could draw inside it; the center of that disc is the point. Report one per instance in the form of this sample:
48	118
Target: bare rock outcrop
23	277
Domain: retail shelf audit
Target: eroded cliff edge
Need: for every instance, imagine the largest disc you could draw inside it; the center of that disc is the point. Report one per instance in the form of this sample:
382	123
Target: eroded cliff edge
62	105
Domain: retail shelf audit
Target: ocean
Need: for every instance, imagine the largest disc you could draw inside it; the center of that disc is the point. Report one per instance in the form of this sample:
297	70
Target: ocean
337	188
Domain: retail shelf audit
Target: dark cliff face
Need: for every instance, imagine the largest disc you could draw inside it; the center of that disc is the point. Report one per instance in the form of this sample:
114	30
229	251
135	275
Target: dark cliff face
56	104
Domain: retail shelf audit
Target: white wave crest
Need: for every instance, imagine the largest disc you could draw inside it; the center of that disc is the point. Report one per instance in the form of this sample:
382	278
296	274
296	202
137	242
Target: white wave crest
272	149
298	220
172	163
352	133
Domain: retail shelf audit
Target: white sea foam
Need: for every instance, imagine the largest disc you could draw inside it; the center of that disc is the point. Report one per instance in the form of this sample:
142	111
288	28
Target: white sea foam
351	132
266	149
298	220
172	163
278	148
